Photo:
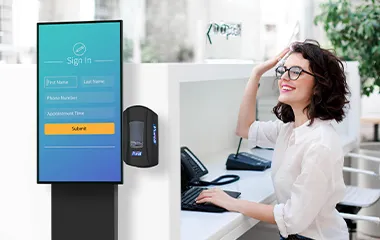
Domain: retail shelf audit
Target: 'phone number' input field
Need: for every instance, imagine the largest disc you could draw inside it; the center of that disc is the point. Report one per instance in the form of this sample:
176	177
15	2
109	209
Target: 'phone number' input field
79	97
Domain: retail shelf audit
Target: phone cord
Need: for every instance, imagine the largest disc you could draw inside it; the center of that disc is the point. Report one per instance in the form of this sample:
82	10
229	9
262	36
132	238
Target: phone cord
216	181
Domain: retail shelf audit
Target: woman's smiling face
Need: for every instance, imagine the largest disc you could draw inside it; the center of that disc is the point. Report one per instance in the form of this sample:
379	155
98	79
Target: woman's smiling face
296	92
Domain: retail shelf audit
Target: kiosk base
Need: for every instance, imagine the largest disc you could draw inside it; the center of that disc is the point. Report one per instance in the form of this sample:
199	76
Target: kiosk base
84	211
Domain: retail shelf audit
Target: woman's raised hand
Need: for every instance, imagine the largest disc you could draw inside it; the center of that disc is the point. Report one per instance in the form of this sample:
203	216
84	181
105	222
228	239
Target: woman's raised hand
260	69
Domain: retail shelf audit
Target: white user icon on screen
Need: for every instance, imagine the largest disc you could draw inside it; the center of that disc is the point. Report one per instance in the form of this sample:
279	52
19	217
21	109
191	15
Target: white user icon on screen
79	49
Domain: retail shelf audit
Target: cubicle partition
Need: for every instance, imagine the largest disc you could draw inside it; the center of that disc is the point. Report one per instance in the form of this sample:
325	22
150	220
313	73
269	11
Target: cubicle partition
198	106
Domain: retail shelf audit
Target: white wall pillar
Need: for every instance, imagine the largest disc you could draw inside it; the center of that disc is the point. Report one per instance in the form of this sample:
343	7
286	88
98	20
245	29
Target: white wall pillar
197	25
306	21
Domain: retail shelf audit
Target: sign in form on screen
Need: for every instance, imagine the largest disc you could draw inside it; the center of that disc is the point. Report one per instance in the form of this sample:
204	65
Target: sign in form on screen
79	102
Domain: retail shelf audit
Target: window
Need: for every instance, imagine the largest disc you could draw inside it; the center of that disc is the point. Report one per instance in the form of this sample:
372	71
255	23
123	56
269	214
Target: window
102	4
5	13
7	7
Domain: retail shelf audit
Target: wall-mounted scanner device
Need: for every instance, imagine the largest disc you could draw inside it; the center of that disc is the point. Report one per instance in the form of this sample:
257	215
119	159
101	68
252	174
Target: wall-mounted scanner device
140	136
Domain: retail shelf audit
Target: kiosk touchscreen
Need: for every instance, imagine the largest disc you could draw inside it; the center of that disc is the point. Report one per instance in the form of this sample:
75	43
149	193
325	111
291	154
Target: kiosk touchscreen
79	102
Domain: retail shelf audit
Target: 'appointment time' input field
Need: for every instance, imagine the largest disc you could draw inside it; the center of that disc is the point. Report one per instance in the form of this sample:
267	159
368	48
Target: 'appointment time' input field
79	113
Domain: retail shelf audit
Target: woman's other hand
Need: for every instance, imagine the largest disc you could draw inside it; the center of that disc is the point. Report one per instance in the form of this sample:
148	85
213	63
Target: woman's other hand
217	197
260	69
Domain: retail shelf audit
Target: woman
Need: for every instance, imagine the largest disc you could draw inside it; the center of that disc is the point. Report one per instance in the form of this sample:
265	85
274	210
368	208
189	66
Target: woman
308	159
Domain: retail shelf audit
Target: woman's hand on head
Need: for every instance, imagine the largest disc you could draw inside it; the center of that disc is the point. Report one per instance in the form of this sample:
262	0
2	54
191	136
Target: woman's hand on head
260	69
217	197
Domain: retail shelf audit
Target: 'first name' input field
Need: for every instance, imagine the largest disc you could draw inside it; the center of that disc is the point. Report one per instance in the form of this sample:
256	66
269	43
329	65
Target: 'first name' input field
61	82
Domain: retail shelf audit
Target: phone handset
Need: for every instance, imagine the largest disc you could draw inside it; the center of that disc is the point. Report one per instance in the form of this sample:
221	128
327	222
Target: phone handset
194	169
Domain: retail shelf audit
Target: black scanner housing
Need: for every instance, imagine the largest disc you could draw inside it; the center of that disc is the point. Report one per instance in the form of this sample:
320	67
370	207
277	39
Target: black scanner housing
246	161
140	137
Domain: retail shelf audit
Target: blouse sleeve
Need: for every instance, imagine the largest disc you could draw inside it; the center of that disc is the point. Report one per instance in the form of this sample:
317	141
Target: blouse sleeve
264	133
310	192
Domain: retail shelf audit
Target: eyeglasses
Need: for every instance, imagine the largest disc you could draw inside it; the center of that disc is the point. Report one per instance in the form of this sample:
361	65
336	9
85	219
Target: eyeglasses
294	72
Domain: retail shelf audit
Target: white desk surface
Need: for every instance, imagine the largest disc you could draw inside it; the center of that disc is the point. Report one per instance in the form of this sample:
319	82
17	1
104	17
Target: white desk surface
254	186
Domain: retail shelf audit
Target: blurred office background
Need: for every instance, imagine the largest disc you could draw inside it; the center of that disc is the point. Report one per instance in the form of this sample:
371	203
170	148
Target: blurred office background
168	30
176	31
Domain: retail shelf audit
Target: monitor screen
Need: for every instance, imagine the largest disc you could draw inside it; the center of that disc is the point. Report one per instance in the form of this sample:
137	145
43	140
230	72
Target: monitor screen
79	102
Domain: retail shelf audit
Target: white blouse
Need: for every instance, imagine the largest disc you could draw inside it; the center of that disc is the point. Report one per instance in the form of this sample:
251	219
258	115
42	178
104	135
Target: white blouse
307	174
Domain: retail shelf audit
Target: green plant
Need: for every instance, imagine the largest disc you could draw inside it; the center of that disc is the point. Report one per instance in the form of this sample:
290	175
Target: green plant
354	33
185	54
149	53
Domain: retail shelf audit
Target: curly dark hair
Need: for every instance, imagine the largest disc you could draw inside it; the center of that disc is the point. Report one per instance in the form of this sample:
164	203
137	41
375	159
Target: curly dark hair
330	90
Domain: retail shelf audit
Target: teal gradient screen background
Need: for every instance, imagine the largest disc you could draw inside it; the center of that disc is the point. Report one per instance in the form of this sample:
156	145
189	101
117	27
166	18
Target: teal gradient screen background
79	84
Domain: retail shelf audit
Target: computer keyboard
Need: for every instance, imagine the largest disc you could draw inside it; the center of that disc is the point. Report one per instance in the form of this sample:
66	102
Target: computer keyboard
190	196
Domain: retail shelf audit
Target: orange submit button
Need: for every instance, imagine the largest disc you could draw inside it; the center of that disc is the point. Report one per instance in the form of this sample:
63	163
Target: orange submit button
79	128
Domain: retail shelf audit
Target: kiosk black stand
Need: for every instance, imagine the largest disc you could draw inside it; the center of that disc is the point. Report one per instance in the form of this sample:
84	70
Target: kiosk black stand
84	211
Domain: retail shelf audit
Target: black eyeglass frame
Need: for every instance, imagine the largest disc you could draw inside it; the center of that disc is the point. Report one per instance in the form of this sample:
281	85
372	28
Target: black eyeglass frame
299	68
